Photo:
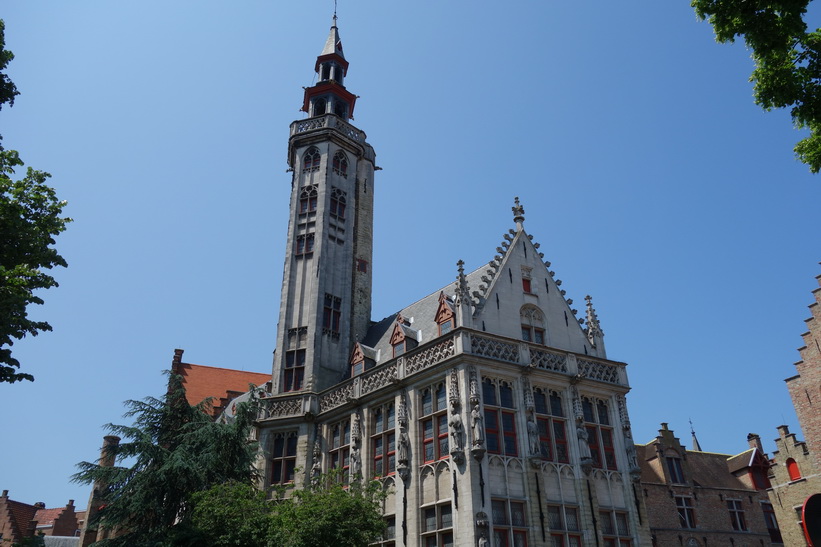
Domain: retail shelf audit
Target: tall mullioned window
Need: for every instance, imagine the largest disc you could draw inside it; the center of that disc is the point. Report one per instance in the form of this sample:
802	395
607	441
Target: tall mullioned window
434	422
564	526
310	161
383	440
737	515
686	512
339	200
308	199
551	425
332	313
339	449
340	164
283	458
500	417
615	528
599	433
509	523
437	525
294	372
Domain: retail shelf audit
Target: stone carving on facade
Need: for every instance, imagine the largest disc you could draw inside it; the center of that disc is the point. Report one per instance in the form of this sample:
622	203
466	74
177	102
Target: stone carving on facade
586	458
482	525
316	468
403	444
629	444
356	463
477	427
533	436
455	423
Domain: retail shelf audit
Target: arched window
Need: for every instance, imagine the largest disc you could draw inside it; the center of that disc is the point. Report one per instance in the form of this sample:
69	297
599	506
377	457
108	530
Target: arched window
338	204
320	106
792	469
532	324
311	161
340	164
340	109
308	199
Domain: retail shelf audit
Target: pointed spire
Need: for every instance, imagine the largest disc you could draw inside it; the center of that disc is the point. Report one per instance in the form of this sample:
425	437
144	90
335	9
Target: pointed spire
333	45
696	446
518	214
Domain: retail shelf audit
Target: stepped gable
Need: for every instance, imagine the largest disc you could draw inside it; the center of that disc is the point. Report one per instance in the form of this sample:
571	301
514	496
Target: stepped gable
220	384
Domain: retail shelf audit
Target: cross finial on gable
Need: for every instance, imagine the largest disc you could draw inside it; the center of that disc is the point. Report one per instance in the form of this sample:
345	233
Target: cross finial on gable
518	214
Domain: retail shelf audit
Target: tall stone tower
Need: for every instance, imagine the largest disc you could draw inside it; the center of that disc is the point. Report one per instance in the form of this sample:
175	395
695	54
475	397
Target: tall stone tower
326	289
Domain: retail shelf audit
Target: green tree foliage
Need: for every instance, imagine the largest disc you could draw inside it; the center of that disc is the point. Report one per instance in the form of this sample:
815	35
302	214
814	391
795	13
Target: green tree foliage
30	218
8	91
29	221
787	59
171	451
323	513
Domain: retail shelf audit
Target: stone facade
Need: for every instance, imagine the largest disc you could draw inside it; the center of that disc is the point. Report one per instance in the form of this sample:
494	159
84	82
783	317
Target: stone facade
697	498
796	469
488	410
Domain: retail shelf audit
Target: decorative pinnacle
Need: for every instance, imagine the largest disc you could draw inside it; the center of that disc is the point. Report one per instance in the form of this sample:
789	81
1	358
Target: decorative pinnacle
593	326
462	289
518	214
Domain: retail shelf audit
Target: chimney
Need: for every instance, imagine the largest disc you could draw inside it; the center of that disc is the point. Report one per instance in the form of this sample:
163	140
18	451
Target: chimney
70	503
5	493
176	361
755	442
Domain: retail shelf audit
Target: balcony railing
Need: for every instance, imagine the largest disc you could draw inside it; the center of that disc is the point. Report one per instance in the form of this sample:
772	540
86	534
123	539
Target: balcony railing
460	342
328	121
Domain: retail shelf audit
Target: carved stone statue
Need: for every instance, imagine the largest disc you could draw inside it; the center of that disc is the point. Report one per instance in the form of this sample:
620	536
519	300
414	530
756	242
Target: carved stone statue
533	437
483	542
316	468
402	449
456	430
356	462
477	426
584	446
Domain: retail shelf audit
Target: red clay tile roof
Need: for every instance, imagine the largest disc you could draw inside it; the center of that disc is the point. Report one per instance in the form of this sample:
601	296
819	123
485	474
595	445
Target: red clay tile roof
22	513
222	384
47	516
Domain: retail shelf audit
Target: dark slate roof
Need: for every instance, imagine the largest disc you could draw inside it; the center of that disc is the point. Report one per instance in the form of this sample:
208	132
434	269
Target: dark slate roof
423	314
741	461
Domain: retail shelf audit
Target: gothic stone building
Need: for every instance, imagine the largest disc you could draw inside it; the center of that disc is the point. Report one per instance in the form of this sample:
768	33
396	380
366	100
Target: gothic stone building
492	416
796	465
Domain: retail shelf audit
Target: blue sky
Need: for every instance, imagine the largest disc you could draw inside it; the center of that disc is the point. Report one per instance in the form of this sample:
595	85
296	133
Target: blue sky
648	175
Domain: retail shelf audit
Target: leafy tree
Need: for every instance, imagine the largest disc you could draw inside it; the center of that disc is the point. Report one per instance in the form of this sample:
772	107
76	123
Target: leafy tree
172	451
787	59
29	221
323	513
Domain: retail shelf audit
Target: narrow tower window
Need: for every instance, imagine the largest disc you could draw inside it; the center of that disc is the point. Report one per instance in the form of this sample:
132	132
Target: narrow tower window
311	160
308	199
340	109
331	315
320	106
338	203
340	164
294	370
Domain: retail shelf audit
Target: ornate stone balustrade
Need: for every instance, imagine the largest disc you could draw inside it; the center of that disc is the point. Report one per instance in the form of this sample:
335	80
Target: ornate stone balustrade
548	360
428	357
373	380
431	354
494	348
328	121
597	370
279	408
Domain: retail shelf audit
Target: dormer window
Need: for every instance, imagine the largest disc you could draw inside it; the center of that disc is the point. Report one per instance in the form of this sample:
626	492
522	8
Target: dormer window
403	338
311	160
340	164
675	470
445	317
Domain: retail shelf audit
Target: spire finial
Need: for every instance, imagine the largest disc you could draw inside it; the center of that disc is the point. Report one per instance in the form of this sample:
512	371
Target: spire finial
518	214
696	446
462	289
